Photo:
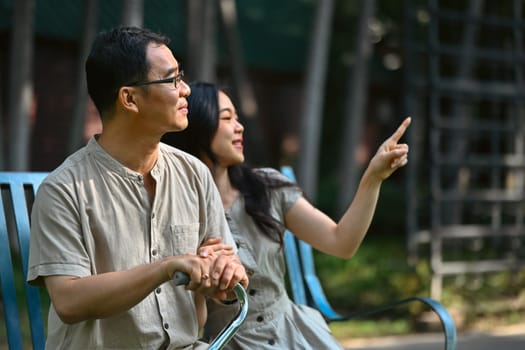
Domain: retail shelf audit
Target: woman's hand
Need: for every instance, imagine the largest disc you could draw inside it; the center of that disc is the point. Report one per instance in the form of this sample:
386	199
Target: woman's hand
391	155
213	246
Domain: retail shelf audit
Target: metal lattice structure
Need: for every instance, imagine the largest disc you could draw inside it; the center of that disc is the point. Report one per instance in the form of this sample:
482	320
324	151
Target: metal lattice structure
465	89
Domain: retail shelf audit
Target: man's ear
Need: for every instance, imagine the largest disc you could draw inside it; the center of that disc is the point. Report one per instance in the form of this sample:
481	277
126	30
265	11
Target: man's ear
127	97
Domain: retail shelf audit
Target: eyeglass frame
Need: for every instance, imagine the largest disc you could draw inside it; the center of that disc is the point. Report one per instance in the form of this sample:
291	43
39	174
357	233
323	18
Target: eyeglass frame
176	80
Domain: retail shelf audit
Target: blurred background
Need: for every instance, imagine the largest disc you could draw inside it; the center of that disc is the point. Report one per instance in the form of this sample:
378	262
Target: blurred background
319	85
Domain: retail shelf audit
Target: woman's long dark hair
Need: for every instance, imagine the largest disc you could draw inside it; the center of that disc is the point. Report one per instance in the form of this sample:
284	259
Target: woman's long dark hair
255	186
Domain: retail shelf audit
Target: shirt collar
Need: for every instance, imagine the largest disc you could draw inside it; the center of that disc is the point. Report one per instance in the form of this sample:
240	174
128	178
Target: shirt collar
111	163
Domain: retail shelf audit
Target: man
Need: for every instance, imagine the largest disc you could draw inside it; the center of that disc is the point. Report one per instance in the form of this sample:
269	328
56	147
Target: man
115	221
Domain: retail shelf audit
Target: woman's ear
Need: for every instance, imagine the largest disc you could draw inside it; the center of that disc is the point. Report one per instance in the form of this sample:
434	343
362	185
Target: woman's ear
128	99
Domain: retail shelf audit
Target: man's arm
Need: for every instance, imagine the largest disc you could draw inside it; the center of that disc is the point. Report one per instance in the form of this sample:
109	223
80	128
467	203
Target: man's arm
78	299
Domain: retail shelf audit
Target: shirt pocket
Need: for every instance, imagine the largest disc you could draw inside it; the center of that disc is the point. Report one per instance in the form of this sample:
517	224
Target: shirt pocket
184	238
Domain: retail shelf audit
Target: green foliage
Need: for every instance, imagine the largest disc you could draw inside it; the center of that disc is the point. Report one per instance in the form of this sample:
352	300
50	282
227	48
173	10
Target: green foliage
379	274
368	328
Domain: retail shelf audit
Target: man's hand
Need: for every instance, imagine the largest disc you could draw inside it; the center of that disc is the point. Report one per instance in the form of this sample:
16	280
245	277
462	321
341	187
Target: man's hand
226	269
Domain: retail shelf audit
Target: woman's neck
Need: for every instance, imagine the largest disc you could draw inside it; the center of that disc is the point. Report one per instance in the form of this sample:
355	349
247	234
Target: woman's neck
226	190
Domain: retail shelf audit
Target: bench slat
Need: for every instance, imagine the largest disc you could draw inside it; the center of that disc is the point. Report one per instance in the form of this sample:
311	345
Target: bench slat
15	186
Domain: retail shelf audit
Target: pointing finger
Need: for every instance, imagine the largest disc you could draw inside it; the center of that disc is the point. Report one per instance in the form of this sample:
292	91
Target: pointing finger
396	136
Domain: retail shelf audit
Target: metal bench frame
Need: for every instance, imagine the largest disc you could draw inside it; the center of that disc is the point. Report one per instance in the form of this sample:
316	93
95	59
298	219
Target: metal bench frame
307	290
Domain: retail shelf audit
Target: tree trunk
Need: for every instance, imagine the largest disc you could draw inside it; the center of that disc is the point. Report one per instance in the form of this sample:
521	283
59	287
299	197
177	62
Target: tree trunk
20	92
132	13
243	86
355	108
76	135
314	99
202	28
243	89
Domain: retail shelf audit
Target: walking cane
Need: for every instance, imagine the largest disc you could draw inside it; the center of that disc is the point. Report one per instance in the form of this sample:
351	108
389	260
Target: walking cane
231	328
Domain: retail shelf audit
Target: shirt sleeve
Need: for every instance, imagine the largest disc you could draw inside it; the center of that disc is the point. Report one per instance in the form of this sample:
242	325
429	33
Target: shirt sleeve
283	197
56	245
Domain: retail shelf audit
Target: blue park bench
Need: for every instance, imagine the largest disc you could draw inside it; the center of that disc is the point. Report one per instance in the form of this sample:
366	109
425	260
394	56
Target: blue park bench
307	290
17	194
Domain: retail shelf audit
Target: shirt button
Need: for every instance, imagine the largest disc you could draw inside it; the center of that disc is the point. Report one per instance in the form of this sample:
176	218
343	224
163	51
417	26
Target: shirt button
154	252
250	272
271	341
157	290
260	318
153	215
166	326
252	292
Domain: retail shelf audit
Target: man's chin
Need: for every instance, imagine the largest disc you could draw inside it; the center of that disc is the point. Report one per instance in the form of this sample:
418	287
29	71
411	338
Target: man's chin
180	126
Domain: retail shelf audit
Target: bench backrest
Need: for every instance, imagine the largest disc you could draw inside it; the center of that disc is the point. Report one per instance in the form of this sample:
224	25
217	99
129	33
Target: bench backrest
17	194
304	283
18	190
306	288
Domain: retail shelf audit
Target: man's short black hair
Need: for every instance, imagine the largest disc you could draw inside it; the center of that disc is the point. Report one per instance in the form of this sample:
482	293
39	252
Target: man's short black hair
117	58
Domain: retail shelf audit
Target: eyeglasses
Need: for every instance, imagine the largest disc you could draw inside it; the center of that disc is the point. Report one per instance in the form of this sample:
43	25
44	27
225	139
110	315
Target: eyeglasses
174	80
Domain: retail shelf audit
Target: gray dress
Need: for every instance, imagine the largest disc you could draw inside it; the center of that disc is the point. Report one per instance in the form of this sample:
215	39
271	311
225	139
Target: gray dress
273	321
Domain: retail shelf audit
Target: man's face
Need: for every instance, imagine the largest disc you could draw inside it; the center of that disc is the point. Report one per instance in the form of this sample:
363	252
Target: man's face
163	106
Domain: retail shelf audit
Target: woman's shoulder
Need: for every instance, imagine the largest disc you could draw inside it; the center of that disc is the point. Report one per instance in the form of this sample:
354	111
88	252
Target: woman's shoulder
274	175
267	171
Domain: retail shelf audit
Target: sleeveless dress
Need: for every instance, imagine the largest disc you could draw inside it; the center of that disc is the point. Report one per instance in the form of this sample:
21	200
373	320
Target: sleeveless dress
273	320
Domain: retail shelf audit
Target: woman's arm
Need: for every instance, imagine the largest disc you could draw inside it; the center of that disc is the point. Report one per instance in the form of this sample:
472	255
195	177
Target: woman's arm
342	239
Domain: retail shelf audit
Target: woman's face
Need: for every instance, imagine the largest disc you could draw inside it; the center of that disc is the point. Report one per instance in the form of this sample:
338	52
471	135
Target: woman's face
227	141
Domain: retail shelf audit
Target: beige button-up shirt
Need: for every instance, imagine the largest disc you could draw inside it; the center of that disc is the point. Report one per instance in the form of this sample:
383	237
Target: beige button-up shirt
92	215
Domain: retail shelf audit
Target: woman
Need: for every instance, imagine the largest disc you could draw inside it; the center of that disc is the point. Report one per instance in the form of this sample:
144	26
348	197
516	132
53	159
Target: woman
259	205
